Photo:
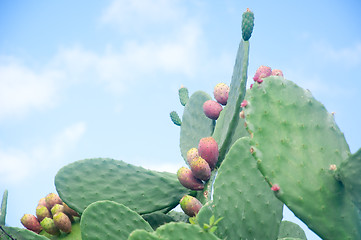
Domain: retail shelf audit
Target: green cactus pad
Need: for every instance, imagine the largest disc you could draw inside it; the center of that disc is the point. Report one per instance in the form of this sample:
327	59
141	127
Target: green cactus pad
140	234
110	220
291	230
3	207
75	233
205	214
178	216
289	238
175	118
240	184
229	118
247	24
181	231
195	124
183	95
350	172
157	219
20	234
295	140
84	182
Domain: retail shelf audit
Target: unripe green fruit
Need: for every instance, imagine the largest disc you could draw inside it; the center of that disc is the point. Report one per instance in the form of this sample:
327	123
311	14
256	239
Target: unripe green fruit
42	212
49	226
190	205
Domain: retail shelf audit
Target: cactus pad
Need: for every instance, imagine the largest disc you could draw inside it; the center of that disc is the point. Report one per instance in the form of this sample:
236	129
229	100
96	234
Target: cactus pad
180	231
140	234
240	184
247	24
350	172
229	118
195	124
175	118
84	182
3	207
290	229
157	219
20	234
295	140
183	95
110	220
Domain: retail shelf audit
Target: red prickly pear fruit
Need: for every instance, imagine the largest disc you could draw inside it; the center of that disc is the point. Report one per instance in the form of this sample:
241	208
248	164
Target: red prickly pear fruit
57	208
262	72
212	109
200	169
244	103
277	72
62	222
42	202
188	180
275	187
192	154
42	212
69	211
241	114
190	205
220	93
208	150
49	226
31	223
52	199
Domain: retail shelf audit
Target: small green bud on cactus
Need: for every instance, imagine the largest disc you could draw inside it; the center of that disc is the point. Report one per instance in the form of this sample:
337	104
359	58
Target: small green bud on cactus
192	154
247	24
183	95
49	226
188	180
190	205
62	222
42	212
31	223
57	208
175	118
208	150
200	169
220	93
52	199
212	109
262	72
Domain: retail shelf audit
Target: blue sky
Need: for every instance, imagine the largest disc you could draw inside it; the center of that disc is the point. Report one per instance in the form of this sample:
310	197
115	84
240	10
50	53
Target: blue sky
83	79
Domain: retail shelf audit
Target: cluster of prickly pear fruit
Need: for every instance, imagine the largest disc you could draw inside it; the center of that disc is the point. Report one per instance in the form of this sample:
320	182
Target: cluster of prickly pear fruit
52	216
285	148
212	108
201	162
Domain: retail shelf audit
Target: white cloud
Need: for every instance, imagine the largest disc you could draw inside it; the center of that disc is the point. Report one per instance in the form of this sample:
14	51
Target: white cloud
17	165
347	56
22	89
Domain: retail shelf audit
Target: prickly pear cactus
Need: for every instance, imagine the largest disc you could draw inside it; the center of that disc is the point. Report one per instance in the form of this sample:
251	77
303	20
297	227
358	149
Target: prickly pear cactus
247	153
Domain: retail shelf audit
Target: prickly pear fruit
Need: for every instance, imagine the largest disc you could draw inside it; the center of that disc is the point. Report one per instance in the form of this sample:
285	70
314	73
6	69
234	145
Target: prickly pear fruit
192	154
200	169
262	72
188	180
62	222
190	205
183	95
220	93
49	226
52	199
57	208
42	202
212	109
175	118
42	212
31	223
69	211
247	24
277	72
208	150
244	103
